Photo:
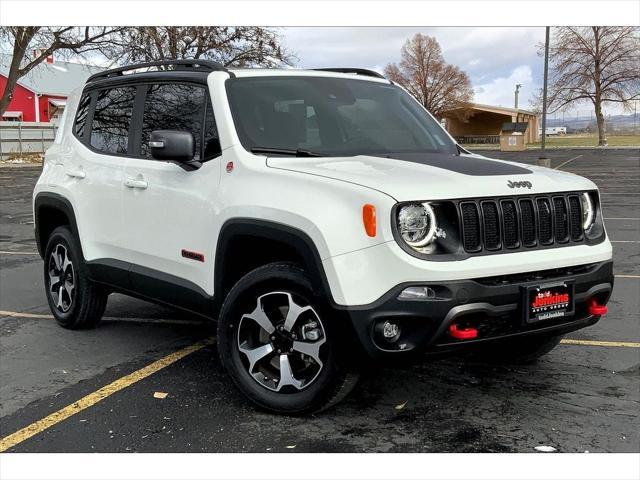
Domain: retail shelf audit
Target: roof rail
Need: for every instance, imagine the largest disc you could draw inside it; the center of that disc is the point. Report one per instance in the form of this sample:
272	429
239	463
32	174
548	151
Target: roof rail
199	65
357	71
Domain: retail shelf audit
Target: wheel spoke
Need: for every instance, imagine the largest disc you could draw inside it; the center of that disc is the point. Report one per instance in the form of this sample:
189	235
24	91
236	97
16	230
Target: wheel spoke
59	304
294	313
254	355
53	280
286	374
310	348
57	260
69	288
66	262
260	318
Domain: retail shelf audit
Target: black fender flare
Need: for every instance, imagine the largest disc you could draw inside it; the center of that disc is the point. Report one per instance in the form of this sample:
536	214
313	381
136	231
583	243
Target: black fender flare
285	234
54	201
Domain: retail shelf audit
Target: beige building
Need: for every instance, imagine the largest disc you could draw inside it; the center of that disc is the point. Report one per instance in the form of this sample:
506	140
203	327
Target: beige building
478	123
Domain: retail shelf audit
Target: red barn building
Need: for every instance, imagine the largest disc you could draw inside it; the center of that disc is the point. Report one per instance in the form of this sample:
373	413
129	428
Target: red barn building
41	95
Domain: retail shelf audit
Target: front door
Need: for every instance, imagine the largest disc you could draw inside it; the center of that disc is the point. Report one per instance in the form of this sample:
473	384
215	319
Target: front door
167	209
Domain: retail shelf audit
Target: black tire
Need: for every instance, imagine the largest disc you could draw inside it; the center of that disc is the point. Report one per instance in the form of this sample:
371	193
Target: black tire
85	305
523	351
334	379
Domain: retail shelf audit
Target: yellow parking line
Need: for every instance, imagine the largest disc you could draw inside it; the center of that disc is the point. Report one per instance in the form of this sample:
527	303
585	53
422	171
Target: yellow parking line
93	398
7	314
18	253
627	276
597	343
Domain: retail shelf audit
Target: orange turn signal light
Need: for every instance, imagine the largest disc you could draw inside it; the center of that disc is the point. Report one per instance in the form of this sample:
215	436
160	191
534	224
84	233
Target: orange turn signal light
369	219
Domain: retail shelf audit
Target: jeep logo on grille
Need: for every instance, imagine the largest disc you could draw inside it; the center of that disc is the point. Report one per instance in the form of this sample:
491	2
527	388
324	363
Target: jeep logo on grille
519	184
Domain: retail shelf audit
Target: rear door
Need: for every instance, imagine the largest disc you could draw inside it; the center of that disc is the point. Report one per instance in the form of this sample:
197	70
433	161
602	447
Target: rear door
168	211
94	171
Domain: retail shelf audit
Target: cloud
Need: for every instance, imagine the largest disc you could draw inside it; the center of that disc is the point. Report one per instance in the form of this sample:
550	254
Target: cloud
499	91
492	56
495	58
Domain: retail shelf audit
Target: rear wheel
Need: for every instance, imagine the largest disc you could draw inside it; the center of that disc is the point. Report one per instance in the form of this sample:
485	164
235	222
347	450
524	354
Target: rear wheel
523	351
75	301
276	341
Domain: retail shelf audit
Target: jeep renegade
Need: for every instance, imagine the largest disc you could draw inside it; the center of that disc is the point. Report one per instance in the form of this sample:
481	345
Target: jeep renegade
323	217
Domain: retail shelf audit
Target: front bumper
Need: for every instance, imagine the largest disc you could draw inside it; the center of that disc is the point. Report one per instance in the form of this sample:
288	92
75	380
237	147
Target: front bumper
492	305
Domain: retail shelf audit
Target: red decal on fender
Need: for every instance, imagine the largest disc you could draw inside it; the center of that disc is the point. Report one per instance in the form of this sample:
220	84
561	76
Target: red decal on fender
193	255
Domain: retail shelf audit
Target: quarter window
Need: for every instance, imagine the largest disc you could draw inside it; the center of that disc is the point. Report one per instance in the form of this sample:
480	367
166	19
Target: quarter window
81	115
211	138
111	120
173	107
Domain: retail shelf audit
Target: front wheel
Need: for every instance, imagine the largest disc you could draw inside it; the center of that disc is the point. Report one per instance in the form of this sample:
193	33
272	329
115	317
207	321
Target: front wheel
276	340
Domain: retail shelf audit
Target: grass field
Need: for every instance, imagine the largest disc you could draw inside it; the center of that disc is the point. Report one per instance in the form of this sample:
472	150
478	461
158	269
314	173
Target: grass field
568	141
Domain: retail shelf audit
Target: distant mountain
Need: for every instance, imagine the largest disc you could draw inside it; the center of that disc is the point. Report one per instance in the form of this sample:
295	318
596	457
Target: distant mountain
614	122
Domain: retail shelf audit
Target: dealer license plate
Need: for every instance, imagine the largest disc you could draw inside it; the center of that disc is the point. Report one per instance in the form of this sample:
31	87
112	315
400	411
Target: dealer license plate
549	301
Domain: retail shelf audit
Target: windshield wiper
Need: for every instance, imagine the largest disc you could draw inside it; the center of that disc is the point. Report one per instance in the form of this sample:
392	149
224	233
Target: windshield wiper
286	151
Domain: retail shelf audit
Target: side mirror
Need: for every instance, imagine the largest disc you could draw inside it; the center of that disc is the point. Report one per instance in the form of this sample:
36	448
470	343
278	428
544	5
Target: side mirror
174	146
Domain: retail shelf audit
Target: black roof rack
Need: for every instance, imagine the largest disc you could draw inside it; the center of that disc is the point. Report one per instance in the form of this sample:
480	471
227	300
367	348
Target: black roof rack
357	71
196	65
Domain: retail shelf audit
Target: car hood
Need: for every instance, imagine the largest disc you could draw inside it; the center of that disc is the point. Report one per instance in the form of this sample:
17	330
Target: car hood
437	176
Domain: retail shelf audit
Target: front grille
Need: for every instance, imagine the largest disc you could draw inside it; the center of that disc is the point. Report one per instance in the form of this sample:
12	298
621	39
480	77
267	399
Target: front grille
561	219
471	227
575	217
491	225
528	222
544	221
510	220
520	223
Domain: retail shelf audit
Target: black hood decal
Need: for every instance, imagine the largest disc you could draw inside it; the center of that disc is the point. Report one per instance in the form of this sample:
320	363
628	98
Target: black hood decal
461	164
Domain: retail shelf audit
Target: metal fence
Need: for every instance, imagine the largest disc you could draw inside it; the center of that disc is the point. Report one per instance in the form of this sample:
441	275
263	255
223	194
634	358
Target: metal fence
25	138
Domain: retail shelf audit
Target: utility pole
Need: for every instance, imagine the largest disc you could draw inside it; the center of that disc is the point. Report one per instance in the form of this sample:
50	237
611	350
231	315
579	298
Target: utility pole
543	160
518	87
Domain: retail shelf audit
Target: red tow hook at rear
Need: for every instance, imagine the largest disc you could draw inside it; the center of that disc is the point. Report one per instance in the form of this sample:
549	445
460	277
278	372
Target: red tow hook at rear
466	333
596	309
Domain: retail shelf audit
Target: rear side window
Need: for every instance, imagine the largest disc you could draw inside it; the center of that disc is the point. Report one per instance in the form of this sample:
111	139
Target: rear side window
173	107
111	120
81	115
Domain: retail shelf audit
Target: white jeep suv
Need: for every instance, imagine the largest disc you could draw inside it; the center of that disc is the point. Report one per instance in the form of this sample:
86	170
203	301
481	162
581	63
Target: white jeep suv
323	217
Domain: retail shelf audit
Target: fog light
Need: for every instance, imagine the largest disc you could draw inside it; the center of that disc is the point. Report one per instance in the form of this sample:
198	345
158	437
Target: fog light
390	330
417	293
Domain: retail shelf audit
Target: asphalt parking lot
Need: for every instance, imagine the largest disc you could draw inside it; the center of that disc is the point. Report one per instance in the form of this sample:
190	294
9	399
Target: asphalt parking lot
65	391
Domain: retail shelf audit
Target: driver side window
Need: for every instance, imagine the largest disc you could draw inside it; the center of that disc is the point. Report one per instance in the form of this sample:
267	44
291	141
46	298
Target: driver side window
173	107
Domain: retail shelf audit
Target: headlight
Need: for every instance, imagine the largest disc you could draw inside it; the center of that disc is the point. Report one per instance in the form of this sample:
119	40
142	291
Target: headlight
588	212
417	224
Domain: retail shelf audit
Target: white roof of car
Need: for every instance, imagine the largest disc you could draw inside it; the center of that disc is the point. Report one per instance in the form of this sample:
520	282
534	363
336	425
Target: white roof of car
57	78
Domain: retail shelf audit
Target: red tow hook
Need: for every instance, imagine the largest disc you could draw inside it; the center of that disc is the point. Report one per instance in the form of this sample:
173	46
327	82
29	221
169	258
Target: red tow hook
596	309
466	333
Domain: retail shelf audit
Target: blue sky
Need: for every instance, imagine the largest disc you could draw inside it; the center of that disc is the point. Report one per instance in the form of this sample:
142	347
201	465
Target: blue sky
495	58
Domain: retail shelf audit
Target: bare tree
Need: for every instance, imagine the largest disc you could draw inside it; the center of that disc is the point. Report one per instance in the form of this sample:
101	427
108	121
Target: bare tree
237	46
44	41
595	64
422	70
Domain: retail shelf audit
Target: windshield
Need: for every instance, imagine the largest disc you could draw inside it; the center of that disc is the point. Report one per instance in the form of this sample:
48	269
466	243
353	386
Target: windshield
332	116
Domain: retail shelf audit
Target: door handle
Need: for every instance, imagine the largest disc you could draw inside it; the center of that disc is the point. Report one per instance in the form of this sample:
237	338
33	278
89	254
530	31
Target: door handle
132	183
76	174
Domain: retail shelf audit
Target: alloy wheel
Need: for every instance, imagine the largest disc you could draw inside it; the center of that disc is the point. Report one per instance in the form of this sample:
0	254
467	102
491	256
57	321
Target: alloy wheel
61	278
281	342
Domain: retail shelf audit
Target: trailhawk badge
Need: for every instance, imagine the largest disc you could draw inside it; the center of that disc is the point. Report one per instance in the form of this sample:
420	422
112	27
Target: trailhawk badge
511	184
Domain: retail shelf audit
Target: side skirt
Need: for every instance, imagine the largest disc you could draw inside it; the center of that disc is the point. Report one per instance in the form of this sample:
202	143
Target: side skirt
152	285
